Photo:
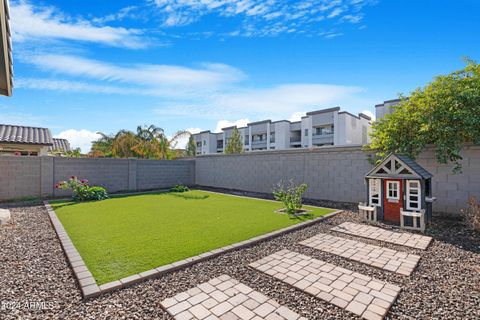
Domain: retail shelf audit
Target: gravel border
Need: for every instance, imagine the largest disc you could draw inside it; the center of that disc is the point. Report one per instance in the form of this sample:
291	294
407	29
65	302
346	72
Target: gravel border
91	289
34	269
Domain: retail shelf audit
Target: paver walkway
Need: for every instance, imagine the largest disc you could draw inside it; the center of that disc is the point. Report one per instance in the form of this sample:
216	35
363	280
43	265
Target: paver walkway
357	293
383	258
226	298
401	238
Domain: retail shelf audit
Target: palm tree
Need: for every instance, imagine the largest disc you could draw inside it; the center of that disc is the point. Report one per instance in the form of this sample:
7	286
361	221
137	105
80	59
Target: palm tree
124	143
149	133
149	142
102	147
166	146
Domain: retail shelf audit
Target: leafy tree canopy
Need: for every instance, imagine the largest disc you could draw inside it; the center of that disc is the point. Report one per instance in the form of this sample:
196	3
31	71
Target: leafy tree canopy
234	144
148	142
191	150
445	113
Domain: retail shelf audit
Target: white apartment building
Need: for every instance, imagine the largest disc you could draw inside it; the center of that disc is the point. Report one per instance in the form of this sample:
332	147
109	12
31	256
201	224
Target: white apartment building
385	108
316	129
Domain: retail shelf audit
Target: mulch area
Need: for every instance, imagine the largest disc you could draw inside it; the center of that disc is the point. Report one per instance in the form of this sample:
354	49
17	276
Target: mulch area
445	285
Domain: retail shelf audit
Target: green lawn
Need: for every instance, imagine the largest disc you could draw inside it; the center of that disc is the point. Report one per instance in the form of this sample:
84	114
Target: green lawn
125	235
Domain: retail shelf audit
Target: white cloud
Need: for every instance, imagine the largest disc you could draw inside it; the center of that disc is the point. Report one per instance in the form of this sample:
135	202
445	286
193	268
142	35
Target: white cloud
71	86
79	138
39	22
370	114
286	99
19	118
336	12
225	123
263	18
213	91
296	116
120	15
149	75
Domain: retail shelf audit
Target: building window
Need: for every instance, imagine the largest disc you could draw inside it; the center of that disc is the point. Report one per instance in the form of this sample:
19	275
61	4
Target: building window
219	144
374	191
247	140
204	142
272	137
413	195
393	188
199	144
324	130
306	132
259	137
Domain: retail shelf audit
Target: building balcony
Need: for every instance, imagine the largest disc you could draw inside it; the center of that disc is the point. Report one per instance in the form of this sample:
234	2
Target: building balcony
259	144
322	138
296	139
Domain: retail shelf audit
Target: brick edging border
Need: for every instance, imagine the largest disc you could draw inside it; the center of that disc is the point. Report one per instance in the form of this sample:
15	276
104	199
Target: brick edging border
89	286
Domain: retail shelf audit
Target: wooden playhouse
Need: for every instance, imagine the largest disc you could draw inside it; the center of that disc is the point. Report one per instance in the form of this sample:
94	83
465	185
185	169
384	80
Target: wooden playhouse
398	191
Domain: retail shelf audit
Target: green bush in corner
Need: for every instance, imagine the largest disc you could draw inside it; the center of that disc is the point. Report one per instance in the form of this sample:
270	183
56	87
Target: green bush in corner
179	188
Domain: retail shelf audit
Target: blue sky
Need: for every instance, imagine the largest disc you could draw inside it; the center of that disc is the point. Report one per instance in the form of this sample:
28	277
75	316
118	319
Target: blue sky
87	66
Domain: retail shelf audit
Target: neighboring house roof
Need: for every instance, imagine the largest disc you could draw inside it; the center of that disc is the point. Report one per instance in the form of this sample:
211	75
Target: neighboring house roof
398	166
6	65
26	135
60	145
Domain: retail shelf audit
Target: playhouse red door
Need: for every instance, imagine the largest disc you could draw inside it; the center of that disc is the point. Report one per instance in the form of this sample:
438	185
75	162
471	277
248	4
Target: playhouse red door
392	200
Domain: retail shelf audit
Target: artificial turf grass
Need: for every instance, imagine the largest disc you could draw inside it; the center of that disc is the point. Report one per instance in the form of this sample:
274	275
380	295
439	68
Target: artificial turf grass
125	235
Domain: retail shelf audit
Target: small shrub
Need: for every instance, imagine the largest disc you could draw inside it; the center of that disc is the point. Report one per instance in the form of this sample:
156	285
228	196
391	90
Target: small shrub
471	215
94	193
179	188
290	194
81	190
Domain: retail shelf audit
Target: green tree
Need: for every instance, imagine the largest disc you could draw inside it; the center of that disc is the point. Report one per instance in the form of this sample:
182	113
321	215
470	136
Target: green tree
74	153
148	142
445	114
102	147
191	150
234	144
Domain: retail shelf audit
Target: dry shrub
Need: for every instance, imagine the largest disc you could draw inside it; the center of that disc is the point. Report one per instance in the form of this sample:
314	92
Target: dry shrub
471	214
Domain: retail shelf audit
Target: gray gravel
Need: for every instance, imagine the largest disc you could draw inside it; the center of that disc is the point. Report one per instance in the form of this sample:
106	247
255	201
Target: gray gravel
446	284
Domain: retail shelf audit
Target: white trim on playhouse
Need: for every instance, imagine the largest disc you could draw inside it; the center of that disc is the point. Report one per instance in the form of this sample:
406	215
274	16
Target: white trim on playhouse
398	191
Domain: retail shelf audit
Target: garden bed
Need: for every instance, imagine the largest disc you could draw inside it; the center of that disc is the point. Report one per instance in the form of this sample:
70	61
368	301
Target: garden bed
127	235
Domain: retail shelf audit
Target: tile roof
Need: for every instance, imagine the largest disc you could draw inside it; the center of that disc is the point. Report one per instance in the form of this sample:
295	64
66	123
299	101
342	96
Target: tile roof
22	134
60	145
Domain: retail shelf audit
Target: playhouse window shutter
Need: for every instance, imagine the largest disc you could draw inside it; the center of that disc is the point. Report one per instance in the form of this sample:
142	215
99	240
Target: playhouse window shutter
374	185
413	195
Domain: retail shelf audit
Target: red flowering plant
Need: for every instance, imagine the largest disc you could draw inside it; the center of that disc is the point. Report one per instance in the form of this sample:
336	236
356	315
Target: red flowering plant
81	190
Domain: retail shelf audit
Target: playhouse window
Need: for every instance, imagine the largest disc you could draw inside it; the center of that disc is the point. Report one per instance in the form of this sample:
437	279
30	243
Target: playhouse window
413	195
374	185
392	190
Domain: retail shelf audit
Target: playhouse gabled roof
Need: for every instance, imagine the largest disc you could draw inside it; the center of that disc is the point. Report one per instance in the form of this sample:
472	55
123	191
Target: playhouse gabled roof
398	166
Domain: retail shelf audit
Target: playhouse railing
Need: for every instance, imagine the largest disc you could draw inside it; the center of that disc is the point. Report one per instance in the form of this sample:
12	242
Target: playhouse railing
369	213
417	219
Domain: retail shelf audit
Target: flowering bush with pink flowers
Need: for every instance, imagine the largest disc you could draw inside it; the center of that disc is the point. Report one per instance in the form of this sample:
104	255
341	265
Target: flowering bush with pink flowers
81	190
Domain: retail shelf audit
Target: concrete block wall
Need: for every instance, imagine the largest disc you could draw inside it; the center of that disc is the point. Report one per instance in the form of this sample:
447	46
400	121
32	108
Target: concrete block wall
335	173
22	177
164	173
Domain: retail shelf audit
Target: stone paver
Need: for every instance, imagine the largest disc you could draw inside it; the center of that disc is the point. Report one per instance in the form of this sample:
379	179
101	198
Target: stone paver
383	258
357	293
396	237
225	298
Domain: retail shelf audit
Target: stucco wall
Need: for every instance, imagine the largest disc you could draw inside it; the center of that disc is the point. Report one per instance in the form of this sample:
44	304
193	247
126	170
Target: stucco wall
35	176
335	173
